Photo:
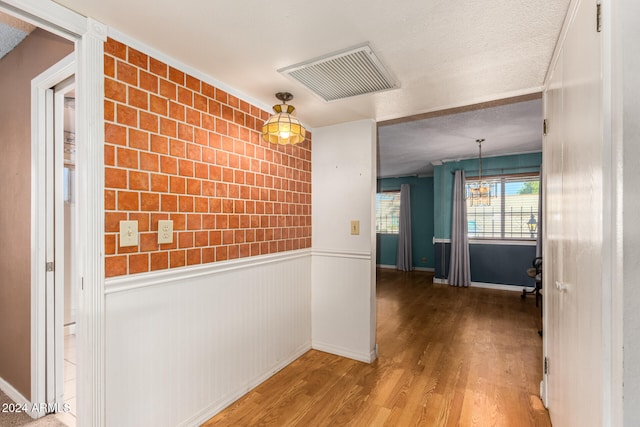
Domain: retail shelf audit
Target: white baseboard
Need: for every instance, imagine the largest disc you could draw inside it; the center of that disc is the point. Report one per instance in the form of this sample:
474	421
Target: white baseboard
499	286
16	396
216	407
393	267
344	352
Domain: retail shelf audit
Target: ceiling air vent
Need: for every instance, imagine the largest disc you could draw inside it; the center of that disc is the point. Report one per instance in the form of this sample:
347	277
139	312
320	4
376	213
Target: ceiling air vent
351	72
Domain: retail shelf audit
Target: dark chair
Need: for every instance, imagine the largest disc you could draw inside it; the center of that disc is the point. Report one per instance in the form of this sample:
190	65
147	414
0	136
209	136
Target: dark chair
535	273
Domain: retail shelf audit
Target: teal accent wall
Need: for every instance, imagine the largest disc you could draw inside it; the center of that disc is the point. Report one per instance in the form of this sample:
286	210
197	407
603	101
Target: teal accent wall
443	182
422	223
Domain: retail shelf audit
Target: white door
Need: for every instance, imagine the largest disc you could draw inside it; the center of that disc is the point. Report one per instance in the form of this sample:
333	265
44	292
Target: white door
56	243
574	217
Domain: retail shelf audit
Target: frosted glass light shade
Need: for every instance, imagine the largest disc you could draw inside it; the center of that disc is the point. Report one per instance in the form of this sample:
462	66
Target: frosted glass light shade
283	128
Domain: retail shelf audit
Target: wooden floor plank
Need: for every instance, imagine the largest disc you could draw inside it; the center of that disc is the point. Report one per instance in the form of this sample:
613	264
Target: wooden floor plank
447	357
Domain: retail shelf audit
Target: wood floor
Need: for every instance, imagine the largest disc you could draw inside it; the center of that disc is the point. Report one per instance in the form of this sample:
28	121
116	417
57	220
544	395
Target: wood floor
447	357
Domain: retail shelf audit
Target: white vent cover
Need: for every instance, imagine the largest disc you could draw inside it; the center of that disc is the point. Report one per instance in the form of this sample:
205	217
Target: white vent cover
338	75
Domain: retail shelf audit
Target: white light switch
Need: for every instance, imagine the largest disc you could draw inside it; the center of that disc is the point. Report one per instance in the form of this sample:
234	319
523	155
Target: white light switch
165	231
355	228
128	233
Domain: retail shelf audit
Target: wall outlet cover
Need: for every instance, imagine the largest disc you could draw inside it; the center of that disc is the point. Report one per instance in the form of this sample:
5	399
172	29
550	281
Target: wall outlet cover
165	231
128	233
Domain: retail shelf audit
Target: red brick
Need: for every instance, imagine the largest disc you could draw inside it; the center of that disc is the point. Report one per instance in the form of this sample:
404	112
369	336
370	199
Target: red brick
168	165
159	144
115	266
138	98
126	73
126	115
169	203
127	201
149	121
222	253
112	221
177	185
159	261
148	242
115	178
185	203
158	105
127	158
109	200
115	48
115	134
168	89
143	220
138	58
148	161
185	239
176	76
158	68
177	258
168	127
194	221
159	183
193	256
138	139
185	167
194	186
185	96
138	180
150	201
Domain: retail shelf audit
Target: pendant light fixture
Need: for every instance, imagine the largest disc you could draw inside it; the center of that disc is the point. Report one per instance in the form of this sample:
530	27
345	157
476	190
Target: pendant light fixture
283	127
480	192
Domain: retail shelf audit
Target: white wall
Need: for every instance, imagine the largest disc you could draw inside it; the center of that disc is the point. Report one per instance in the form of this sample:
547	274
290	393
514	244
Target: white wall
343	271
183	344
630	34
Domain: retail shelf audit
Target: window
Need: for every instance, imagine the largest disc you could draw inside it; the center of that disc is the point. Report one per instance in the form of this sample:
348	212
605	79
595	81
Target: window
388	212
513	209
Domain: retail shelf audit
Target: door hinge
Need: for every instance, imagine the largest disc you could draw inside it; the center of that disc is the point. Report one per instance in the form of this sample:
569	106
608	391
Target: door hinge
544	127
546	366
598	17
50	266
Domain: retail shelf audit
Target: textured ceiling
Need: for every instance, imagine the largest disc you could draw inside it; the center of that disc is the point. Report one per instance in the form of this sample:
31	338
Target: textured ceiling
12	32
443	53
410	148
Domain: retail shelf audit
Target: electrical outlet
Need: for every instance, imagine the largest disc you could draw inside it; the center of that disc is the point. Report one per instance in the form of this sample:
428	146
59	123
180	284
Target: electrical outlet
165	231
128	233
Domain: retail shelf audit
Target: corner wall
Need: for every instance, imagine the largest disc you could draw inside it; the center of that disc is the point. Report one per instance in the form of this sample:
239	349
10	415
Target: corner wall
343	270
39	51
193	325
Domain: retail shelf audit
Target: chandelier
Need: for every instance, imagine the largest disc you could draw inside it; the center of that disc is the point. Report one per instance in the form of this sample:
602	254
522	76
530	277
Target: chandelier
283	128
480	191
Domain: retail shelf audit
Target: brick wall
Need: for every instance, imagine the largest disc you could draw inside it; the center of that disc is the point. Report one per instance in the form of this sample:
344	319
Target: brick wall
178	148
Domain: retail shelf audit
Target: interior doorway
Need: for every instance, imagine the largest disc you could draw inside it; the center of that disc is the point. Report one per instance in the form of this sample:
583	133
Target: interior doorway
54	119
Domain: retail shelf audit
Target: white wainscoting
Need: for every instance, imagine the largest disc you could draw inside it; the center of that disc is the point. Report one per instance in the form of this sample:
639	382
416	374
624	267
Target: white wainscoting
343	306
184	344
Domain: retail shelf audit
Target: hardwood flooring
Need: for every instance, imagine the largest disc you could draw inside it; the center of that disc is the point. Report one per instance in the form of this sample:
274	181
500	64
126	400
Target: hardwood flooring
447	357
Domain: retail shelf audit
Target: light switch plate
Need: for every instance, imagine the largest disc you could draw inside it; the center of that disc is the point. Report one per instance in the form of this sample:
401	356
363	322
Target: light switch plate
355	227
128	233
165	231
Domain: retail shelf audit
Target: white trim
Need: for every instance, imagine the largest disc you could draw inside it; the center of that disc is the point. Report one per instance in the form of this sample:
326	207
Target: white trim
39	86
386	267
393	267
484	285
492	242
211	410
89	240
17	397
478	100
138	45
47	15
156	278
337	253
343	352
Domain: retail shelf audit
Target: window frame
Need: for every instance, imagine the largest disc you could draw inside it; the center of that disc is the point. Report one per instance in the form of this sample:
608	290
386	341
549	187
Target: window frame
503	179
392	233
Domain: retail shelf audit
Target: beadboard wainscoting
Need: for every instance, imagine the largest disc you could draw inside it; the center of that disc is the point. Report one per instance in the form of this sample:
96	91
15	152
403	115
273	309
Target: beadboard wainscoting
343	306
183	344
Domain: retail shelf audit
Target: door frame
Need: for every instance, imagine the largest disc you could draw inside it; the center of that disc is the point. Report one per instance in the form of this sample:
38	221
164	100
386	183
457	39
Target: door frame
46	223
89	37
